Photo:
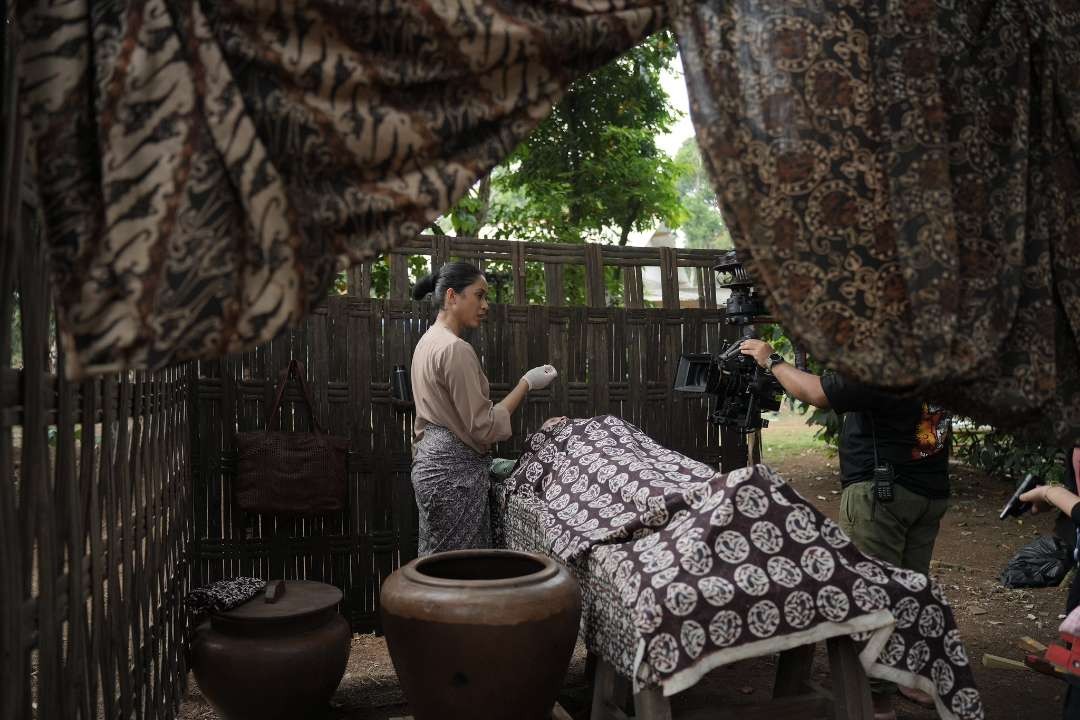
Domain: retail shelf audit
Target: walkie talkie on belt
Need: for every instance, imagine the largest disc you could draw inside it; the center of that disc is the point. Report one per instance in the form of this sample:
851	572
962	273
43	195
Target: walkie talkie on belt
884	473
884	479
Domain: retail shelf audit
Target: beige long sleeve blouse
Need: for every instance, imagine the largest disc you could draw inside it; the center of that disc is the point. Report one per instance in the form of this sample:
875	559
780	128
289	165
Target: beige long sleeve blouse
450	389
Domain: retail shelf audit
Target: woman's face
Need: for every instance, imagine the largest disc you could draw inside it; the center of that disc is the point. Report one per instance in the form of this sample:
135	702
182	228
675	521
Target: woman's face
470	306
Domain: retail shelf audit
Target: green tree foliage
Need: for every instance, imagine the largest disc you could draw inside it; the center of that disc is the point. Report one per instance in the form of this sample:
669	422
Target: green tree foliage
470	214
380	275
704	225
592	170
1002	455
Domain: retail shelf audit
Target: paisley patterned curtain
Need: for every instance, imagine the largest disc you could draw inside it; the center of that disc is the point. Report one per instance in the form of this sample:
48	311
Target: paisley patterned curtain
903	176
901	173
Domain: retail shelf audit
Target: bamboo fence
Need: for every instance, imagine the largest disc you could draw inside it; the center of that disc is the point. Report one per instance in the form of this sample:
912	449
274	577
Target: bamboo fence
611	359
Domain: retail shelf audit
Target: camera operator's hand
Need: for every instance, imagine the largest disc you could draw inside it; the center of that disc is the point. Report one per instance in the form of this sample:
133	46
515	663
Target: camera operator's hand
757	349
800	384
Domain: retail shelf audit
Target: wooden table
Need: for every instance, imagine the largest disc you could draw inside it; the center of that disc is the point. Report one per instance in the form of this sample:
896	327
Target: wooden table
795	695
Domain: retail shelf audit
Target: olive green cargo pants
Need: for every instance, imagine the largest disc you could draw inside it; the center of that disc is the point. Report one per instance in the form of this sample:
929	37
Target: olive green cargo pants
901	532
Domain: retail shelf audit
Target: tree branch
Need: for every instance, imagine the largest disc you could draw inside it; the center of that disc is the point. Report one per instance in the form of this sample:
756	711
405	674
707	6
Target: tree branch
631	216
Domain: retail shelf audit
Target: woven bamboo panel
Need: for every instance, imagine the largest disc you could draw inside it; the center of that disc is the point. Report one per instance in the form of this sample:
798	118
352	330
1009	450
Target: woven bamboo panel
617	360
94	522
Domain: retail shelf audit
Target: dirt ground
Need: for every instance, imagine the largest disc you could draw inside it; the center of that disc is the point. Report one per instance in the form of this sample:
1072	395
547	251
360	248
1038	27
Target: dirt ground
971	551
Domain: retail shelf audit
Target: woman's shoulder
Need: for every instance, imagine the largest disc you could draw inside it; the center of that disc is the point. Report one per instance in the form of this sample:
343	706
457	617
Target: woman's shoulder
459	348
442	344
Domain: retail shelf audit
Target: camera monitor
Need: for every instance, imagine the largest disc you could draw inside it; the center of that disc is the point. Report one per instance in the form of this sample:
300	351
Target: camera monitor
692	375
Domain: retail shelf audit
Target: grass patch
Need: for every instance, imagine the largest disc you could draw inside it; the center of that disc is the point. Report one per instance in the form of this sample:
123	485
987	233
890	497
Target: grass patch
789	436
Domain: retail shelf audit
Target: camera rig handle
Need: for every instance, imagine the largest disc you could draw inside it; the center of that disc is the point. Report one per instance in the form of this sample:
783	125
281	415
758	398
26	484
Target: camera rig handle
731	352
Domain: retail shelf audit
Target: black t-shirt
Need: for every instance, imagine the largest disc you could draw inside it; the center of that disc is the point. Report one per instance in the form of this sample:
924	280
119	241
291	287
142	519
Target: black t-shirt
912	436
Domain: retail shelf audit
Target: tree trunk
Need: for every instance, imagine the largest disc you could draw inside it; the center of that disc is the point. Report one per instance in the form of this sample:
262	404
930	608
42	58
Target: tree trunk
483	193
628	223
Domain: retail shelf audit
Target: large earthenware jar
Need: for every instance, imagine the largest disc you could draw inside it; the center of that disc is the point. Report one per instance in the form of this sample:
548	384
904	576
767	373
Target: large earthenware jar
481	633
280	659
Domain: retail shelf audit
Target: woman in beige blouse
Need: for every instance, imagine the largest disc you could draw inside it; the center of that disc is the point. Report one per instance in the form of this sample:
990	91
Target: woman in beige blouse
456	421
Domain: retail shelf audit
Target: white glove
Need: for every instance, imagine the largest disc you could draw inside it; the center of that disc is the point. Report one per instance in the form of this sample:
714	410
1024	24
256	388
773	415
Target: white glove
540	377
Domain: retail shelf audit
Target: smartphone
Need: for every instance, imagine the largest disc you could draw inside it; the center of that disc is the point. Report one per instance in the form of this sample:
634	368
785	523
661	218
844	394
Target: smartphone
1015	508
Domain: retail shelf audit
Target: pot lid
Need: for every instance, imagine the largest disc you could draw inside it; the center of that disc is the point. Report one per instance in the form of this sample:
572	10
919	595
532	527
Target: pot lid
294	599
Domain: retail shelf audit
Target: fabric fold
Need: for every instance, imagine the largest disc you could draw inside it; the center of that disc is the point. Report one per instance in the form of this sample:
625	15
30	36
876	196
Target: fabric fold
902	178
684	569
206	169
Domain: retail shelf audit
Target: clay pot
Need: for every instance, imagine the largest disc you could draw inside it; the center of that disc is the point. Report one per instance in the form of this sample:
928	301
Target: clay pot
481	633
278	660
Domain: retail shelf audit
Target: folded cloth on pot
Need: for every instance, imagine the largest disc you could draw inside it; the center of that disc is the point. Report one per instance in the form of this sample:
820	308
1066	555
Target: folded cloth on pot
224	594
684	569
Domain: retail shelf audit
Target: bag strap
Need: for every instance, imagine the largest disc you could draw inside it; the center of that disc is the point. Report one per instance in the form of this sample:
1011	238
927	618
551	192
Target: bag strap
296	370
873	431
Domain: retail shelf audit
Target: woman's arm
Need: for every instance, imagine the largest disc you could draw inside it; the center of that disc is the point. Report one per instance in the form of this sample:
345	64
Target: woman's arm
536	379
514	398
485	422
1045	496
1056	495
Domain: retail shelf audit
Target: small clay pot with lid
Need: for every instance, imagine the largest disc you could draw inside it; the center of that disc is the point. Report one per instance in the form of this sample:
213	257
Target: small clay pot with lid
481	633
278	656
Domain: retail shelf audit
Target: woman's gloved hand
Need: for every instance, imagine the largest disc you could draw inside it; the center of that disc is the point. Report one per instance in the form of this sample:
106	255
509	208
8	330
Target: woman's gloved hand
540	377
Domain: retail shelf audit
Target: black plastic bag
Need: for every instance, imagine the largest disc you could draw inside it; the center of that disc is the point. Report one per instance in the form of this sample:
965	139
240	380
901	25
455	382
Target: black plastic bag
1044	562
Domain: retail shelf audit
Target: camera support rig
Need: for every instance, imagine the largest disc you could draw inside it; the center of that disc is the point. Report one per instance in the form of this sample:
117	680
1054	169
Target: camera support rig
741	387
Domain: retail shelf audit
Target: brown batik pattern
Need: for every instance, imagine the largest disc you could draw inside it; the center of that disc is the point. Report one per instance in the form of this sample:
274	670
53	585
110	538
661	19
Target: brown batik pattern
205	168
903	176
902	173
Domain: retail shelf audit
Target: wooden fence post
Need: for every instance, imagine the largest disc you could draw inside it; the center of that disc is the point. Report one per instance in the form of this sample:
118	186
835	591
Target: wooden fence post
595	290
598	353
518	270
399	276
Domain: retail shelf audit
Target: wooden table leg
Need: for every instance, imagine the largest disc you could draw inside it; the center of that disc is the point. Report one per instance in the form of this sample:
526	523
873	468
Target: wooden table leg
557	713
609	693
650	704
793	671
851	690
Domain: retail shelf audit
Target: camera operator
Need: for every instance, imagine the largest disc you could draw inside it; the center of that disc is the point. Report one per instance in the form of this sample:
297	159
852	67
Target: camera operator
894	462
1065	499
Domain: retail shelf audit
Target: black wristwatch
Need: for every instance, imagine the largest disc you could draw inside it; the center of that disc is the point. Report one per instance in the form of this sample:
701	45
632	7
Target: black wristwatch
774	359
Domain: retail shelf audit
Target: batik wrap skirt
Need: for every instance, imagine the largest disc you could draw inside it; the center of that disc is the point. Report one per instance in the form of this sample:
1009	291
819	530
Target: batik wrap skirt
452	484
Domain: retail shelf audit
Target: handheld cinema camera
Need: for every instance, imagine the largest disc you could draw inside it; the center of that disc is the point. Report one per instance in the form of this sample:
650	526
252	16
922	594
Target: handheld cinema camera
742	389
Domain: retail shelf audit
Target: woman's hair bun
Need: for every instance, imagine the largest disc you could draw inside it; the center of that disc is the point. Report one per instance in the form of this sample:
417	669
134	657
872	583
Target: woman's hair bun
453	275
425	285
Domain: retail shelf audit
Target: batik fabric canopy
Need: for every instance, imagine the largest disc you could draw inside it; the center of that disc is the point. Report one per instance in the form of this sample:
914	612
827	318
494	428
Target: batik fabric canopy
901	175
